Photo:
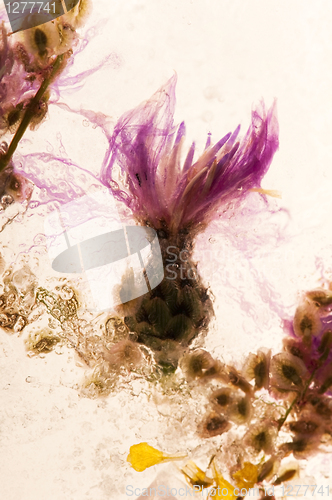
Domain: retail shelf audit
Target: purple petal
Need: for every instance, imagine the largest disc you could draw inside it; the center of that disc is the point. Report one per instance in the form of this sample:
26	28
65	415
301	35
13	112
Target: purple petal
140	139
208	141
181	133
242	168
189	159
220	144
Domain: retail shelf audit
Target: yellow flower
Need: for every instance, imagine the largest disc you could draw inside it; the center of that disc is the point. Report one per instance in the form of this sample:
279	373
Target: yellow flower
142	456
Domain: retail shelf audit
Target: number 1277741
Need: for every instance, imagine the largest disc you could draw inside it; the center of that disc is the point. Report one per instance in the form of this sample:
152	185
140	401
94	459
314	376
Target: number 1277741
30	7
303	490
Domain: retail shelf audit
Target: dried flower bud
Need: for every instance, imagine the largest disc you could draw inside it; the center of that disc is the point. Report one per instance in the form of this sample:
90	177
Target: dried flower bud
213	425
14	116
299	349
198	364
323	378
233	377
306	321
301	447
40	111
47	40
320	297
240	411
221	398
261	437
256	368
321	405
42	40
325	345
14	185
268	469
286	474
288	371
325	385
306	425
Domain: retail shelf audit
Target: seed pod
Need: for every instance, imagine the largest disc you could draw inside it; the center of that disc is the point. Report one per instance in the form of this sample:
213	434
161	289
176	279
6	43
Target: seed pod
321	405
261	437
307	424
214	424
14	117
325	385
240	411
221	398
320	297
301	447
288	371
268	469
306	321
197	364
297	348
237	380
19	187
325	345
257	367
41	41
287	475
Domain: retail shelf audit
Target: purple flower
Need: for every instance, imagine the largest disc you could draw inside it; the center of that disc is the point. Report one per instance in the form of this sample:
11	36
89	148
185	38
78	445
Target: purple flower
160	189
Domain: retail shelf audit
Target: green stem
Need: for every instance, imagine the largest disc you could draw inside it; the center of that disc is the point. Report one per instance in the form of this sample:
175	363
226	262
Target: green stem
297	398
29	114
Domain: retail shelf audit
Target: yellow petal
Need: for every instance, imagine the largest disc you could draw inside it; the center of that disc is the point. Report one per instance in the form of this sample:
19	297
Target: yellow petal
142	456
247	476
195	475
223	485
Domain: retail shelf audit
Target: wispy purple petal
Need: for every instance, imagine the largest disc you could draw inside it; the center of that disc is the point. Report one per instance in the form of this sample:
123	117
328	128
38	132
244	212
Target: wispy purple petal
146	149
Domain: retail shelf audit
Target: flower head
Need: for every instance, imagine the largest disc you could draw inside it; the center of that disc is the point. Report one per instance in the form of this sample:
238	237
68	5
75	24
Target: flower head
160	189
